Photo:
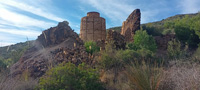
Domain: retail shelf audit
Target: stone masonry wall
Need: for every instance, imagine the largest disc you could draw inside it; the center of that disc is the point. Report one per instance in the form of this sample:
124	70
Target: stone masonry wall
131	24
93	27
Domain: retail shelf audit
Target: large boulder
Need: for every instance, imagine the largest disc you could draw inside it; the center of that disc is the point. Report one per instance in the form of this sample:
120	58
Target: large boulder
55	45
131	24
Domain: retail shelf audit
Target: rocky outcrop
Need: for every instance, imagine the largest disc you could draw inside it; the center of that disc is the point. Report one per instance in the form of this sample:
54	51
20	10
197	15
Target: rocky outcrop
56	35
116	38
55	45
131	24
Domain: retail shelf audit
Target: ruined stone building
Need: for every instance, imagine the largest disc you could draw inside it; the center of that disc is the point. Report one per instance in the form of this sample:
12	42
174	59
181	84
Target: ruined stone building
93	27
131	24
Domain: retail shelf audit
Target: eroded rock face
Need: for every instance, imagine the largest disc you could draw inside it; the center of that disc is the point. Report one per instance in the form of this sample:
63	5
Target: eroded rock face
117	38
56	35
55	45
131	24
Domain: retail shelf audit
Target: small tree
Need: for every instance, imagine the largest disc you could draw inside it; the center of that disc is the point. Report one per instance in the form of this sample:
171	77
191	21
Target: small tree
186	35
70	77
2	64
174	49
145	41
91	47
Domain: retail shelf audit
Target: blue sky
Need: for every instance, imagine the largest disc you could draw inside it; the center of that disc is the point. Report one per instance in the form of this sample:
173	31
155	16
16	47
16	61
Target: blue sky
20	19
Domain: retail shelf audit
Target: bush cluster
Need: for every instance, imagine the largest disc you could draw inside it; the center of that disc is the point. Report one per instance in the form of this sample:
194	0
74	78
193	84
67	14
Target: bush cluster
70	77
91	47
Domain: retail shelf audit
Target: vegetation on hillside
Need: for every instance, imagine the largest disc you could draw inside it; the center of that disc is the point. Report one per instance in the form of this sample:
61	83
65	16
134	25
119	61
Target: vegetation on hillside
135	68
70	77
117	29
186	29
159	27
91	47
143	41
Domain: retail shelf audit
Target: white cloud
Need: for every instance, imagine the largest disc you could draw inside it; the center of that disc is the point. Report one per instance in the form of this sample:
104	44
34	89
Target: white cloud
8	40
16	25
2	44
190	6
1	25
113	9
29	33
32	9
20	20
118	10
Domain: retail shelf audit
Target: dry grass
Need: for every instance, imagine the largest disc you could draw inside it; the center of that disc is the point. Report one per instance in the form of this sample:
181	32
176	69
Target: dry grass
181	76
144	76
16	83
115	81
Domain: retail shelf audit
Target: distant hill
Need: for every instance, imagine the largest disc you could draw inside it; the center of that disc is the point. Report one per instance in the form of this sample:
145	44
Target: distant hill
117	29
5	52
157	24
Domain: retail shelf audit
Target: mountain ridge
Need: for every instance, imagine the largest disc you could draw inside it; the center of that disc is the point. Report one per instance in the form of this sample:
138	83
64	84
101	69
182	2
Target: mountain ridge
118	28
5	52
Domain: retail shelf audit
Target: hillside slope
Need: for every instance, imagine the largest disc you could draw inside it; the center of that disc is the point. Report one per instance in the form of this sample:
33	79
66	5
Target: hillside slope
158	24
154	28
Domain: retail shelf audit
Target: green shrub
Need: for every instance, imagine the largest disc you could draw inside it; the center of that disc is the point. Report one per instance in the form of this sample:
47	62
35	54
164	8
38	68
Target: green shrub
108	57
186	35
143	41
131	46
91	47
152	30
174	49
112	58
2	65
187	29
197	53
70	77
118	59
167	31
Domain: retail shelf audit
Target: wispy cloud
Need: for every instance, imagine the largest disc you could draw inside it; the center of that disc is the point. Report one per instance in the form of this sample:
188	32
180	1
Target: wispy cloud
190	6
32	9
118	10
29	33
20	20
8	40
5	44
113	9
15	25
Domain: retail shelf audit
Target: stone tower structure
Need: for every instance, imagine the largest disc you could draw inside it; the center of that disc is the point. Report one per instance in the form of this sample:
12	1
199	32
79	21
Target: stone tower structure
131	24
93	27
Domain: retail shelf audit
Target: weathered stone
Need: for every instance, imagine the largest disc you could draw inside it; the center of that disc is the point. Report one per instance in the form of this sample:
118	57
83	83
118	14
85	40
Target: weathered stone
116	38
56	35
93	27
56	45
131	24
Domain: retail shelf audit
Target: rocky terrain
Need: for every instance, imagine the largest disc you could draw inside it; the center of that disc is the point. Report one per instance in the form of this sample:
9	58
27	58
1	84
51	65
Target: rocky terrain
55	45
61	44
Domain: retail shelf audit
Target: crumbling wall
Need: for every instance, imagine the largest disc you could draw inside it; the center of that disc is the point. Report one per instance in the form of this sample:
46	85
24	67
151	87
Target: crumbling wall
131	24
